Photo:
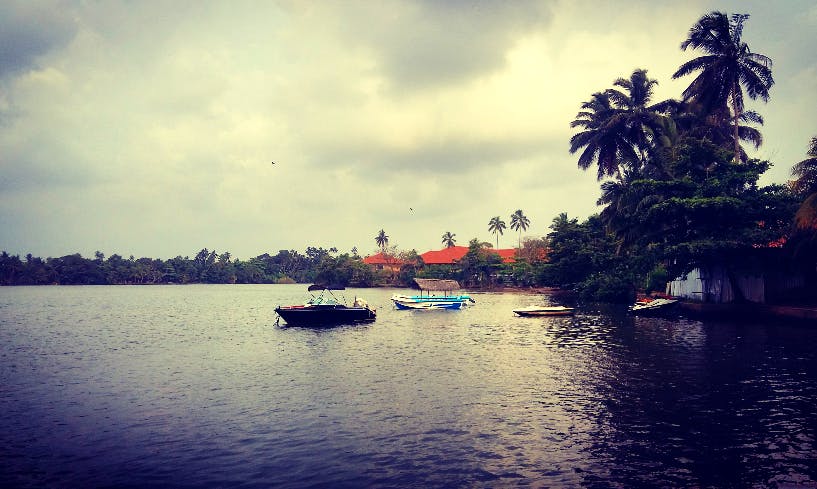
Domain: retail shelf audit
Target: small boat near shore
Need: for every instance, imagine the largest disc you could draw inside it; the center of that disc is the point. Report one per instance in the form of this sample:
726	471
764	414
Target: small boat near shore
426	301
649	306
536	311
326	309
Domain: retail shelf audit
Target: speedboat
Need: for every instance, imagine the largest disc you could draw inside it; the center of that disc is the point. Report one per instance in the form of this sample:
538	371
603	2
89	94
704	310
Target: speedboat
544	311
426	301
326	310
649	306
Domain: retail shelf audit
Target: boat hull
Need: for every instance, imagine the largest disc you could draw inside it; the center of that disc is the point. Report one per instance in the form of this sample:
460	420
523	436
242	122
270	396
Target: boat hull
417	305
324	315
544	311
654	308
426	302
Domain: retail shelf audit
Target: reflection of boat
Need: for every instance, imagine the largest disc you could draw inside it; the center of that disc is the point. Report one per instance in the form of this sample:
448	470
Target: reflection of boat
326	309
425	300
653	306
544	311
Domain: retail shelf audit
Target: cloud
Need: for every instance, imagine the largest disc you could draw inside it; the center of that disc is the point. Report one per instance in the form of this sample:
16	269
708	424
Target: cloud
151	126
420	45
30	29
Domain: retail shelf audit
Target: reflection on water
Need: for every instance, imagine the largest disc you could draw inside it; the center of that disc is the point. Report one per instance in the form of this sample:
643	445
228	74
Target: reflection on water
194	386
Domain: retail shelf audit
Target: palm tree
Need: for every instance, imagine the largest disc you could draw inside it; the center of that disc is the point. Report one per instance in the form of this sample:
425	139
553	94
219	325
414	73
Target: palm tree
519	222
618	125
496	225
382	240
727	68
640	119
603	136
806	185
448	239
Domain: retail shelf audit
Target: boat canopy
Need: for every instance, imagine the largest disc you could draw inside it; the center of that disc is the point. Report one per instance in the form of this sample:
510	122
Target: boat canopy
314	287
436	284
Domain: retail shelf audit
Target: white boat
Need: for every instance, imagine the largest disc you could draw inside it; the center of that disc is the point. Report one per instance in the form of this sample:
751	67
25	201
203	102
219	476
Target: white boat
425	300
653	306
544	311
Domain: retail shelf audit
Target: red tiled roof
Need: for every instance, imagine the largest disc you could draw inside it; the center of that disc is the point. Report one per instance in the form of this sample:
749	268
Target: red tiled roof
507	255
447	256
381	259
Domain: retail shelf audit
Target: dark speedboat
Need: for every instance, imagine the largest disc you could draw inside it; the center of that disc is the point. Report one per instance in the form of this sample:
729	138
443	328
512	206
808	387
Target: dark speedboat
326	310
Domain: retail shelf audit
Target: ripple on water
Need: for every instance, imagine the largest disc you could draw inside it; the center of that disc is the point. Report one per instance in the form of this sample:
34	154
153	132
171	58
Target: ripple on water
195	386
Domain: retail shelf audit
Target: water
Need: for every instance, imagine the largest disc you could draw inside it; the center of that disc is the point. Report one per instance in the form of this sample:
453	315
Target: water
195	386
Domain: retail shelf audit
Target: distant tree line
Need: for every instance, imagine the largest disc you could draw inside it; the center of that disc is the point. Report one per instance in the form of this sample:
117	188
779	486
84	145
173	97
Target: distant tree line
209	267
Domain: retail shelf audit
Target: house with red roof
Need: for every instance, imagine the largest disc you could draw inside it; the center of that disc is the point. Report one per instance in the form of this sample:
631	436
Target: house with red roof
383	261
451	254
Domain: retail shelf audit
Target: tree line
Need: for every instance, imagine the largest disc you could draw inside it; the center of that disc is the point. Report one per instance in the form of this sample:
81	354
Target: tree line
210	267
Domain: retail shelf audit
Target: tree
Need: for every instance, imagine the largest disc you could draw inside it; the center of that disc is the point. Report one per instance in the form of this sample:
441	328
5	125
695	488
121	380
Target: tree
478	266
640	120
381	239
726	70
496	226
603	137
619	126
712	214
580	252
448	239
805	185
519	222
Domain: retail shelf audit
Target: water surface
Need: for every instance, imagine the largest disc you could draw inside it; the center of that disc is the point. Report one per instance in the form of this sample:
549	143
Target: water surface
195	386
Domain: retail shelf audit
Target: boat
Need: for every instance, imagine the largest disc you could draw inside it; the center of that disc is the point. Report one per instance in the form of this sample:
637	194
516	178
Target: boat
426	301
326	309
531	311
647	306
405	302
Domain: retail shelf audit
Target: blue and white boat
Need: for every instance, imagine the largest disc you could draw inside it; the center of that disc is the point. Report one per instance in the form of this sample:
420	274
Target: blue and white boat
426	300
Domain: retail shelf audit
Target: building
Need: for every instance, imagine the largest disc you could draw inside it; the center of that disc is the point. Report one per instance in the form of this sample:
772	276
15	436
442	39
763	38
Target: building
382	261
448	256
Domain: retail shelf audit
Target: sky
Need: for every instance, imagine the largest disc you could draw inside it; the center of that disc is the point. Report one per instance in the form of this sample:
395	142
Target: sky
158	128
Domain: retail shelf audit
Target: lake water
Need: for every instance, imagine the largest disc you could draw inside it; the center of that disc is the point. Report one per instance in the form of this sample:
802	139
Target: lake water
195	386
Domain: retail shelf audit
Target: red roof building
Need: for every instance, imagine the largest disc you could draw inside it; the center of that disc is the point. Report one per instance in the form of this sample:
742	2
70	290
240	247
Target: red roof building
382	261
447	256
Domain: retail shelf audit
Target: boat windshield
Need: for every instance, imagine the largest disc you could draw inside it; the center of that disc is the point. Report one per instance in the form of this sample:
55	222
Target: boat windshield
324	299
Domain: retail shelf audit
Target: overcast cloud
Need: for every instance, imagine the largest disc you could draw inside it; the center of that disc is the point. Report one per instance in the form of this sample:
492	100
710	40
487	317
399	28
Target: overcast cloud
150	128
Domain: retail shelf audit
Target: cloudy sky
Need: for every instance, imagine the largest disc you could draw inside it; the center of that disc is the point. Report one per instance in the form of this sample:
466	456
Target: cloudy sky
149	128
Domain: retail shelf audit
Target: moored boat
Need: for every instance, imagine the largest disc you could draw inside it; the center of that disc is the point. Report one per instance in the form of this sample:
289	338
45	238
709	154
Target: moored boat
425	300
648	306
326	310
532	311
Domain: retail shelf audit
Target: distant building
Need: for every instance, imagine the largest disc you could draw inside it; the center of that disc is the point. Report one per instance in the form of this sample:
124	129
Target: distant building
382	261
448	256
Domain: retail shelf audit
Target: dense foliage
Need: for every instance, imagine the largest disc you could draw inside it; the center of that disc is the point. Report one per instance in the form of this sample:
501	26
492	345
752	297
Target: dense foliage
315	265
678	190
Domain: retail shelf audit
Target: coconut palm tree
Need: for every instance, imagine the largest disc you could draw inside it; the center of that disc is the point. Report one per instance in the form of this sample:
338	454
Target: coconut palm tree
382	240
496	225
603	136
448	239
519	222
725	71
805	184
640	119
